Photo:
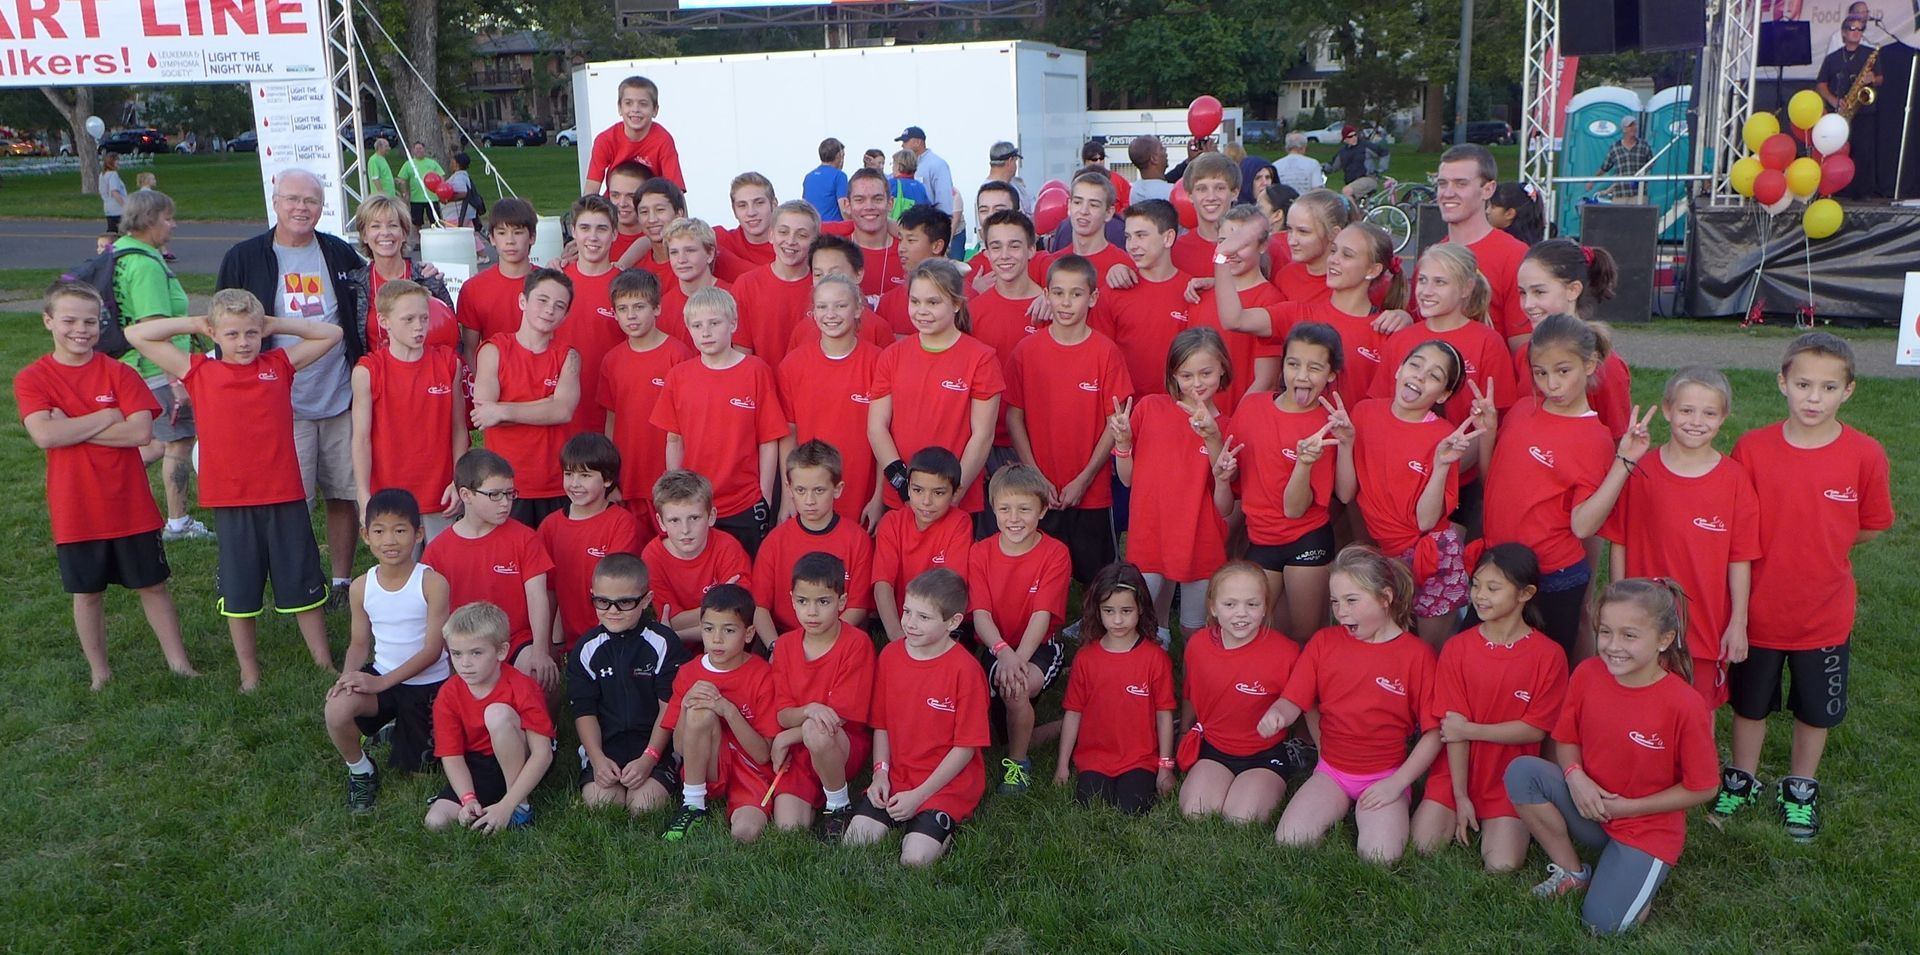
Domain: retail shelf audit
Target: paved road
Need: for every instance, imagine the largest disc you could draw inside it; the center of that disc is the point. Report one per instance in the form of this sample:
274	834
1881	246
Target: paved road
59	243
1873	358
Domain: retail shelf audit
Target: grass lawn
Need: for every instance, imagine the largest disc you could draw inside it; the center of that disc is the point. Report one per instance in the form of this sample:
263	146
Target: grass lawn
169	813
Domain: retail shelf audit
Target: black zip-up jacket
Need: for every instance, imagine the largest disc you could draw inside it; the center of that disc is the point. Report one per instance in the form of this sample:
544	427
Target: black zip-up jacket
623	679
251	265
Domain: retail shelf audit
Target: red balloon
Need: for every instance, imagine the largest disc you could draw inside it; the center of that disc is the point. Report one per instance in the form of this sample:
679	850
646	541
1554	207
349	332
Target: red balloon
1836	172
1778	152
1769	186
1049	210
445	192
1203	116
432	180
1053	185
1183	203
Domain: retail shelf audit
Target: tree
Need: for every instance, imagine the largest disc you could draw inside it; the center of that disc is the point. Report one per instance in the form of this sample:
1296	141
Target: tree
1164	54
75	104
220	109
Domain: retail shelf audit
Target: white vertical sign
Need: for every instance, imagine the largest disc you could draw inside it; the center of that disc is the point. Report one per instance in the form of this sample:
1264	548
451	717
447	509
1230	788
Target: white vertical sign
1908	350
295	121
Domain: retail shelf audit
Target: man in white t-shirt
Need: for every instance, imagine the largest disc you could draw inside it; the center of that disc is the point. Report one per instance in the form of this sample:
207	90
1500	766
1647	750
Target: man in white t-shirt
1296	168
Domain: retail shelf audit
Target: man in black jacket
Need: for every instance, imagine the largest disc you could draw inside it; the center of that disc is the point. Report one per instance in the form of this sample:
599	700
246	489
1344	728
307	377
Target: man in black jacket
1356	160
297	271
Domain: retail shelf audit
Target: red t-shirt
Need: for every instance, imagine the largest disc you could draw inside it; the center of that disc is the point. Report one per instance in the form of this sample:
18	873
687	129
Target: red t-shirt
630	385
577	547
1103	262
654	149
245	420
1193	253
1066	393
880	269
1146	319
1371	697
749	255
1231	689
1297	284
1609	394
1243	349
495	567
1363	350
661	268
412	428
1393	460
933	395
1543	465
978	266
590	330
1484	360
1267	464
1012	589
1814	502
1488	683
841	678
460	718
532	449
1689	529
94	492
1637	741
679	583
928	707
792	540
873	330
1498	255
622	241
770	307
1174	529
672	317
1003	323
835	413
489	303
723	416
443	324
892	309
1119	697
902	551
748	686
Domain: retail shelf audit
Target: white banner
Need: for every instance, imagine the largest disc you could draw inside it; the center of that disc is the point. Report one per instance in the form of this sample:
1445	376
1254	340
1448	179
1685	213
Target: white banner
1908	351
295	120
135	42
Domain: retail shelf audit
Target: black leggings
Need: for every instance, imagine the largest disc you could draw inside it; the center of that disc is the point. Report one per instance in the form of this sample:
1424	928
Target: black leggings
1560	615
1133	791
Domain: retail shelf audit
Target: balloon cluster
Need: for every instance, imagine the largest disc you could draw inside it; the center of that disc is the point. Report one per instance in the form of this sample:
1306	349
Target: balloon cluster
1775	174
439	186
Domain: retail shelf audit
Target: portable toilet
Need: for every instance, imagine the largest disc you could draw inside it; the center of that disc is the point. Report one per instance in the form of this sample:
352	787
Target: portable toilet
1670	136
1594	118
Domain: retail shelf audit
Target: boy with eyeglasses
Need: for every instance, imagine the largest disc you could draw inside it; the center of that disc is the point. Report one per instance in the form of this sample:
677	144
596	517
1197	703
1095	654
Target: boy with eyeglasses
618	680
488	556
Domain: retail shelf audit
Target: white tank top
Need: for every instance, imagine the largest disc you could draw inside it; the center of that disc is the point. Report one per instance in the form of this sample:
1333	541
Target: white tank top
399	620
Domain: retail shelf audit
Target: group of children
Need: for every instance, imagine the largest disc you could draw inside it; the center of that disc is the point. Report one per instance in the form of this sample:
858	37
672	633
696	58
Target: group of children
902	454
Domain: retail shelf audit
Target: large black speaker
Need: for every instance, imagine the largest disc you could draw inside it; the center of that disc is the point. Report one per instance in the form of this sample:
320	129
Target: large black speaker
1673	24
1428	229
1630	234
1590	27
1785	43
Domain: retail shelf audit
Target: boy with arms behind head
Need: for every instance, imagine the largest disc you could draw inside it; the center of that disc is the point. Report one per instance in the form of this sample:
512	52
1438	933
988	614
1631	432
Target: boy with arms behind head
687	559
823	684
587	531
491	729
635	137
409	416
631	379
619	681
525	388
489	556
928	533
722	715
813	485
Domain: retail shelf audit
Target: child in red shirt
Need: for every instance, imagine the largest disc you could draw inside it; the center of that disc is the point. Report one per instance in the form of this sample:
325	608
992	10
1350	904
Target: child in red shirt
1239	294
590	330
774	298
589	530
1823	489
1002	314
631	380
687	560
1017	584
1212	181
1562	277
1496	695
929	533
249	472
1090	206
487	556
1370	680
492	762
723	715
1634	746
92	414
1312	221
525	388
823	687
812	484
837	255
836	415
690	246
1151	309
924	234
409	413
636	137
1117	730
1178	528
624	182
1235	669
930	723
657	204
751	245
489	302
723	419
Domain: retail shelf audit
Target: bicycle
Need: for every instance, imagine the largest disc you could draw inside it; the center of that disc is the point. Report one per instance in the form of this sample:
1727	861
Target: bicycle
1393	206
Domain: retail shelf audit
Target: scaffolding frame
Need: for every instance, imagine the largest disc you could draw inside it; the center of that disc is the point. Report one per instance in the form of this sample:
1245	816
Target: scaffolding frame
343	75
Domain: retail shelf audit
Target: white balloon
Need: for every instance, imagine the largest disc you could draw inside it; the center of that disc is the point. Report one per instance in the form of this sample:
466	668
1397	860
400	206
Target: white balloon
1779	205
96	127
1830	133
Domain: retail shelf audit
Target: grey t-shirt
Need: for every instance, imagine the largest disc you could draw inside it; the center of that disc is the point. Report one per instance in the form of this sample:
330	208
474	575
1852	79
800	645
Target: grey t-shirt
305	290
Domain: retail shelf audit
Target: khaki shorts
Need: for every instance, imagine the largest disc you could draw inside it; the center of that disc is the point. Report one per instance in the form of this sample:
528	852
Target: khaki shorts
1363	186
325	448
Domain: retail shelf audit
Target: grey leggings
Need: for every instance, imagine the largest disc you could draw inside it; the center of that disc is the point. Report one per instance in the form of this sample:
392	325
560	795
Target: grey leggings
1624	878
1193	602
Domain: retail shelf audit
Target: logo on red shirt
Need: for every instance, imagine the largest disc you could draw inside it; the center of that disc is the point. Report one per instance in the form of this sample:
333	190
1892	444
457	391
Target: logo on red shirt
275	376
1394	687
745	403
596	552
1544	457
1370	354
1289	454
940	558
860	399
551	383
1256	688
509	568
439	389
943	705
1177	316
1417	467
1137	689
1649	740
1845	495
1523	696
607	313
1714	524
659	382
954	384
103	399
1090	386
1472	369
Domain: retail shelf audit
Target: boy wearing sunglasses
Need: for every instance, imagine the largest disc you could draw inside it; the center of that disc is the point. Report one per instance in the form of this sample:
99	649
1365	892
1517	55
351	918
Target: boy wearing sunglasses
619	678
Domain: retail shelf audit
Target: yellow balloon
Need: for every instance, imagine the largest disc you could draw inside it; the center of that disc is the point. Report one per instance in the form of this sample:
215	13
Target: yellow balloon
1742	175
1759	127
1822	219
1803	177
1805	109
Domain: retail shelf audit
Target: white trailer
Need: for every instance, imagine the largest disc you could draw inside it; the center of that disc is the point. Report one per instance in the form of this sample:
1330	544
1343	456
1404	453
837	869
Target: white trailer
768	112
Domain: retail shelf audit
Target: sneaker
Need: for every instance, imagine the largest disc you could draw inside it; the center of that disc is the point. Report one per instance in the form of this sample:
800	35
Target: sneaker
1799	799
194	531
1019	776
1560	882
361	788
1072	632
1738	790
683	823
384	735
833	824
522	817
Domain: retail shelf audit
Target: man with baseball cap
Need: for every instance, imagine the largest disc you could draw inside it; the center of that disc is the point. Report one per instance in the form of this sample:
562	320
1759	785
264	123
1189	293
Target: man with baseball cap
937	176
1003	165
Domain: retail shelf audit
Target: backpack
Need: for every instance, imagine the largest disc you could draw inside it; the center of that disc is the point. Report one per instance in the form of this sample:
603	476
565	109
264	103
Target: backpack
99	272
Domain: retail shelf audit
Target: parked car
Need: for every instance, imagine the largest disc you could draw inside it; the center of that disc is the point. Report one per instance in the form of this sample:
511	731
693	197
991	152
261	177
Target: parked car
515	134
566	137
1260	131
247	142
1486	132
135	140
1331	134
372	131
21	147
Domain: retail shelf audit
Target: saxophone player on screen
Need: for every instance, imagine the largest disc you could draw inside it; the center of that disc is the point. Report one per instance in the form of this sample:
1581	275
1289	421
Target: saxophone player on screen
1848	82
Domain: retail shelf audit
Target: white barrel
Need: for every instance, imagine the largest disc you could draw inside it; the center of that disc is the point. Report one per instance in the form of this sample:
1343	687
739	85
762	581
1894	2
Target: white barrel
548	241
444	247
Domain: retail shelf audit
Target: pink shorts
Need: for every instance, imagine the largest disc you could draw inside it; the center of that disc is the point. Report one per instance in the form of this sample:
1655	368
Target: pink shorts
1353	784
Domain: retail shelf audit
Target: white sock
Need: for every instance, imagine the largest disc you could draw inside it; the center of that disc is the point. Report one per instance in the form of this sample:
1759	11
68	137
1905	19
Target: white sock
179	523
339	582
837	799
361	768
694	795
526	806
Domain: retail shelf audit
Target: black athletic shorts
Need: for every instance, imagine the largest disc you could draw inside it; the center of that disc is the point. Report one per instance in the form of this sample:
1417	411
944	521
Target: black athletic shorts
1275	758
409	707
1048	657
489	782
1313	549
1088	534
135	561
1133	792
666	772
1472	507
749	527
532	510
931	823
268	542
1816	684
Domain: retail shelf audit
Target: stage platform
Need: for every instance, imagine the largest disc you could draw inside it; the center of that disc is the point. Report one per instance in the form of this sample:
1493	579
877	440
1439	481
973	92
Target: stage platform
1858	273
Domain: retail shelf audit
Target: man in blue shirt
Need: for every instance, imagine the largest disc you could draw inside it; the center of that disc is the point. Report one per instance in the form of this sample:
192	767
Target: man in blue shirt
937	176
826	186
